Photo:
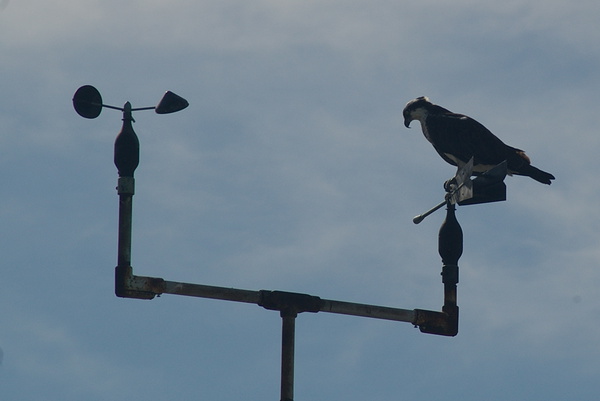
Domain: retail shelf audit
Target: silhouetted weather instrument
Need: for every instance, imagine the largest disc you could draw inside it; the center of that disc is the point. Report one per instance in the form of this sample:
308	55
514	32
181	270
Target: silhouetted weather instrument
460	190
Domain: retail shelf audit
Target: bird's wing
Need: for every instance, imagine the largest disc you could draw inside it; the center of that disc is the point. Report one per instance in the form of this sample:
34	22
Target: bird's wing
464	137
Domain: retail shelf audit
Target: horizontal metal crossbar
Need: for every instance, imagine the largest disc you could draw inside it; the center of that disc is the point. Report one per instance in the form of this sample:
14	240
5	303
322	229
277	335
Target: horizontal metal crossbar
148	287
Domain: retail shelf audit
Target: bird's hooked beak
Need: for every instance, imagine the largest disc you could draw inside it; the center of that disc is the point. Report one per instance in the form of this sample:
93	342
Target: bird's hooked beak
408	117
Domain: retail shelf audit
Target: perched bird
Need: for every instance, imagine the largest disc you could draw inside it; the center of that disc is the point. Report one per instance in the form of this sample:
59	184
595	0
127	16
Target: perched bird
457	138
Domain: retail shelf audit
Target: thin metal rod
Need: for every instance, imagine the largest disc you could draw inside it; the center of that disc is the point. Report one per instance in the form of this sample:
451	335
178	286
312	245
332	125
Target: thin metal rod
207	291
421	217
373	311
288	338
121	108
108	106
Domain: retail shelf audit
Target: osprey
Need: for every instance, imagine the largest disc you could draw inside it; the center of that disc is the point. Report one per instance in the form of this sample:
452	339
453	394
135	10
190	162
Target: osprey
457	138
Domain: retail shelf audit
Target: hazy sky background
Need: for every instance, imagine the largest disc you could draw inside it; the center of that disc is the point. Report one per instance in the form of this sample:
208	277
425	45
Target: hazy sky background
291	170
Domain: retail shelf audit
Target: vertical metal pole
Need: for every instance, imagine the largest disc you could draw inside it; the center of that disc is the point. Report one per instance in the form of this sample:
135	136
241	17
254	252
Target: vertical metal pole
125	190
288	335
127	156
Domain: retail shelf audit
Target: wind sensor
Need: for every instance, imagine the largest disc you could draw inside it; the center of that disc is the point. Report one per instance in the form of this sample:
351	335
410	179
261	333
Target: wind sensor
88	103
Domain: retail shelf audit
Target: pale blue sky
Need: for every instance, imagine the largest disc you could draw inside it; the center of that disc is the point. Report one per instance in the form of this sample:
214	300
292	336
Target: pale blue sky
291	170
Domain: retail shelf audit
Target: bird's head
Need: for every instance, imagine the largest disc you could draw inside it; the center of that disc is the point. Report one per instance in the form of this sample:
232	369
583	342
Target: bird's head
416	109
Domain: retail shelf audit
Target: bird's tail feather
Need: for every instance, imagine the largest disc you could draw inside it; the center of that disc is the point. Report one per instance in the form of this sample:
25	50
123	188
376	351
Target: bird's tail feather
536	174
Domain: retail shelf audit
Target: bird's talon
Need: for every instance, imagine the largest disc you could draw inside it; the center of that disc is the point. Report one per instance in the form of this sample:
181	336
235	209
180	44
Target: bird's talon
450	185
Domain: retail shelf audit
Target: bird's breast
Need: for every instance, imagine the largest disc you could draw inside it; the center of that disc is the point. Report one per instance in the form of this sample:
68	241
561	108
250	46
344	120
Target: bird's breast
425	131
